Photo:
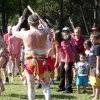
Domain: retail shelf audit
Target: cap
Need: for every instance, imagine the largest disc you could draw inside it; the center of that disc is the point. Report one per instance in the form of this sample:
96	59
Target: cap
66	29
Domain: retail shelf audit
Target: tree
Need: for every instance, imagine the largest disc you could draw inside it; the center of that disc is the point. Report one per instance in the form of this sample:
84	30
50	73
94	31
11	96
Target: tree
56	11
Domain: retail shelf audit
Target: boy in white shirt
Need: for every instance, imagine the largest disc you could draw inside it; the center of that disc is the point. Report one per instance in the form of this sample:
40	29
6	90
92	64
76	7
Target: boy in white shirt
82	72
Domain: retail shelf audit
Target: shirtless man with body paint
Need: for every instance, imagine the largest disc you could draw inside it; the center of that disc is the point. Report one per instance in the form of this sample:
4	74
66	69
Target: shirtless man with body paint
35	43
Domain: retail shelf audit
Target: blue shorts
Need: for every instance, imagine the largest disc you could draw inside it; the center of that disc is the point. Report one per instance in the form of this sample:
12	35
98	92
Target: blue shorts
82	81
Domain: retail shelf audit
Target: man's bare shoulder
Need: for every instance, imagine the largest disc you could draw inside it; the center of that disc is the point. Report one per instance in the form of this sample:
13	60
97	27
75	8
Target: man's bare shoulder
28	32
43	31
35	31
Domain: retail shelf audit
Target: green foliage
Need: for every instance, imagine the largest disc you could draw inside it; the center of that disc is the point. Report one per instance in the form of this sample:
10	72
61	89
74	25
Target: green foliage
13	19
50	9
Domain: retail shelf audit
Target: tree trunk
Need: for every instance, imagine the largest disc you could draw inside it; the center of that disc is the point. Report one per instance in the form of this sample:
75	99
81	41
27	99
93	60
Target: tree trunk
84	19
4	17
95	13
60	14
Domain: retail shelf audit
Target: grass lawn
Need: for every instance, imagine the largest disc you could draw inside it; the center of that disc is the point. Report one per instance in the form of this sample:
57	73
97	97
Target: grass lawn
17	91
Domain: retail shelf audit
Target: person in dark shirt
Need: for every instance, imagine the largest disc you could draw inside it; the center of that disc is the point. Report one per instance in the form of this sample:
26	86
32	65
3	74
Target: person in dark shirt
94	62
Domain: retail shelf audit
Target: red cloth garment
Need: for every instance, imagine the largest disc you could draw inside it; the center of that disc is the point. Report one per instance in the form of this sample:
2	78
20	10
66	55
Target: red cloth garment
31	69
51	62
79	44
14	46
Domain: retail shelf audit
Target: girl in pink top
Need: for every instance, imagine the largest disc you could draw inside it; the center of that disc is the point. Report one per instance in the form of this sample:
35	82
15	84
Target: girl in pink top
5	67
67	55
14	47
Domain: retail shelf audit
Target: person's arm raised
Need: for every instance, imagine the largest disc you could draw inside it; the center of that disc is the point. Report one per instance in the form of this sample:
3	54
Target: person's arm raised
15	29
44	24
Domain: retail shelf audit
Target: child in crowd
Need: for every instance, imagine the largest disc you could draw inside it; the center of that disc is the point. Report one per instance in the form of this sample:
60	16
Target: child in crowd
87	45
51	61
94	63
78	40
82	73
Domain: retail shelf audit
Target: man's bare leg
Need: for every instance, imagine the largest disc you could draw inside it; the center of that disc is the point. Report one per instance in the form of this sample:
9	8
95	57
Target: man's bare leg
30	83
46	84
17	61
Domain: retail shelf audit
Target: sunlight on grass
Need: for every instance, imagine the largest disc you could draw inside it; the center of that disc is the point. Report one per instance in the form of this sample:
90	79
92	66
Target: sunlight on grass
17	91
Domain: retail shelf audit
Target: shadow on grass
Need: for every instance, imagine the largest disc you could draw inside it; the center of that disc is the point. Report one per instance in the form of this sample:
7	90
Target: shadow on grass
20	96
14	84
57	97
63	96
39	97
